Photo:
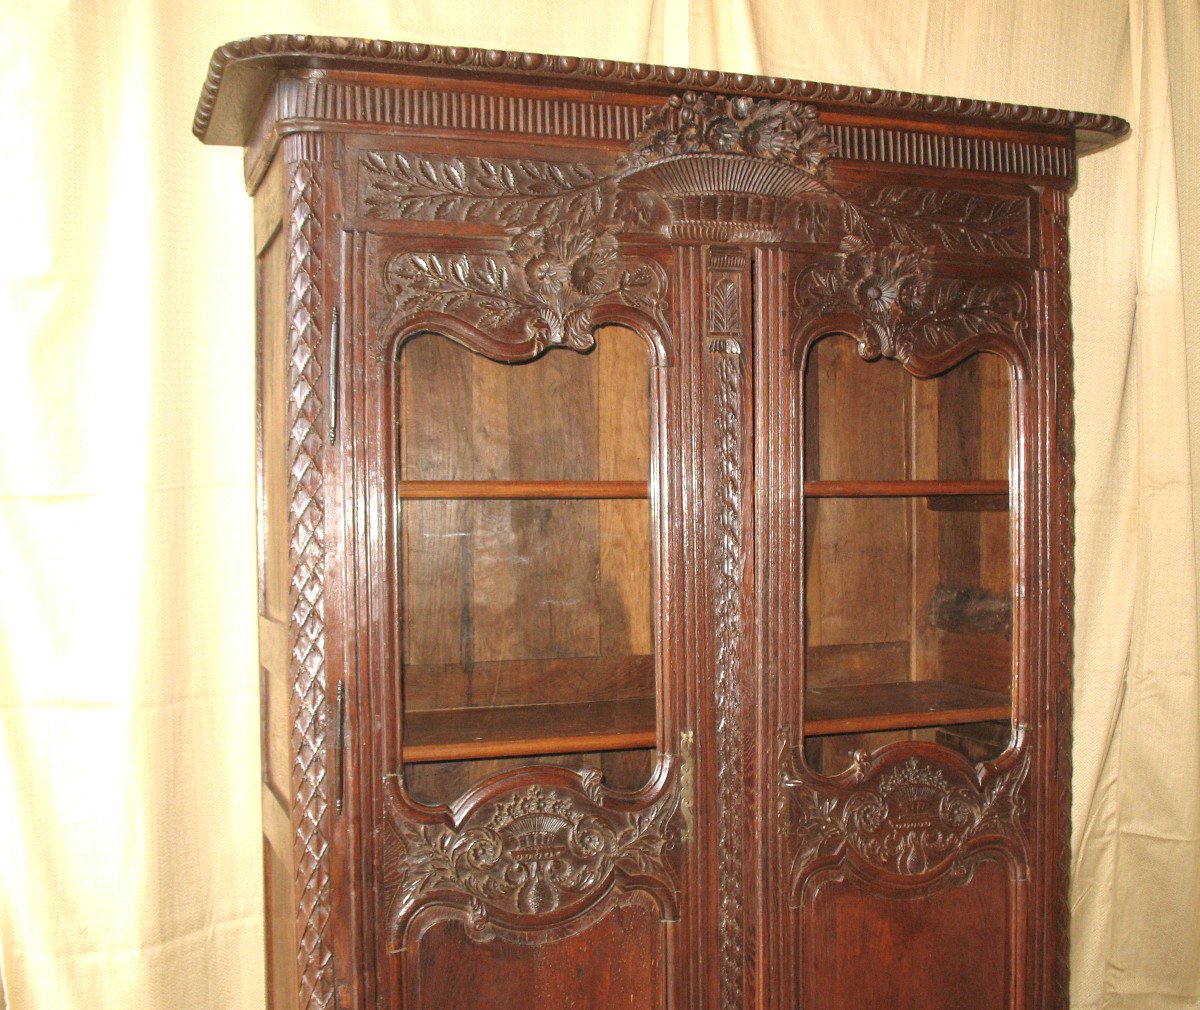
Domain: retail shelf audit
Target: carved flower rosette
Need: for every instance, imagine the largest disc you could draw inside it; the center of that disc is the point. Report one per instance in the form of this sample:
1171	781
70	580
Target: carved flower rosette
545	290
911	813
536	855
896	306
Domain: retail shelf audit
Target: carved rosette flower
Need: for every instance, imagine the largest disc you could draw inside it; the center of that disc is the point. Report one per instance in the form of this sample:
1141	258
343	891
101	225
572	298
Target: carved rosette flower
549	284
885	284
905	310
567	271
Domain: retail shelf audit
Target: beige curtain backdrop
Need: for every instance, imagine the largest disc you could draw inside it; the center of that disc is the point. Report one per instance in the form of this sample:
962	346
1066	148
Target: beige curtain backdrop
129	849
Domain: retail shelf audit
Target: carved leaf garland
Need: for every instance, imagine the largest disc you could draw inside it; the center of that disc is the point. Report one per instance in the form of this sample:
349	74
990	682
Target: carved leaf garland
952	220
506	192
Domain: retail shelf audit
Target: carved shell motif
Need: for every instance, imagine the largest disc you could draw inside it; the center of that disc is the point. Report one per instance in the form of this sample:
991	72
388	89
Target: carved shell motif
541	852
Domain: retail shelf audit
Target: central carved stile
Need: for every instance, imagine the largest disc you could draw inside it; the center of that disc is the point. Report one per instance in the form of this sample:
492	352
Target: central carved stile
727	339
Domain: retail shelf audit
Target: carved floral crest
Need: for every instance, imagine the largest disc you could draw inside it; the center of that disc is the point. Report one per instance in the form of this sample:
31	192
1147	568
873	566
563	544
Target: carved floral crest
905	311
909	818
709	167
550	282
532	853
706	123
563	221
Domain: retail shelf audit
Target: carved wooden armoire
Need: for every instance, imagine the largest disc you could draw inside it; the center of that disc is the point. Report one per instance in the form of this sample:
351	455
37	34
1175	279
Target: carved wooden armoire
666	535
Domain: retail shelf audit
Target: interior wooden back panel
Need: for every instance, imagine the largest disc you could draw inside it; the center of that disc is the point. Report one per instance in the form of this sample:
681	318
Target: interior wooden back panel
490	581
561	416
535	601
911	587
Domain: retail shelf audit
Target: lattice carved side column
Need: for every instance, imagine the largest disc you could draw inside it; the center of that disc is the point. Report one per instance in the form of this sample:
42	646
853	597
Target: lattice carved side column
306	191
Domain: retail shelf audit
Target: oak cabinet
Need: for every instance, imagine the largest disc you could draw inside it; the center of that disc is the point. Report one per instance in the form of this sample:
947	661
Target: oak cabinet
666	538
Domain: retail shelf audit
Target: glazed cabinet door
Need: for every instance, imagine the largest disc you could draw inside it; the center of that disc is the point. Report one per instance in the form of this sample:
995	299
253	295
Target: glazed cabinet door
523	750
907	737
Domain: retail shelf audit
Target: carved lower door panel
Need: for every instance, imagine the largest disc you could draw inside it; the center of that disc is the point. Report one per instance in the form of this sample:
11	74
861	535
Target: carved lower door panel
541	896
619	961
914	866
943	949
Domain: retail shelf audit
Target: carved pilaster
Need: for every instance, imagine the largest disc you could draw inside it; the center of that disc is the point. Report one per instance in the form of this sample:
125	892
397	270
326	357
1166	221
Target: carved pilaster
727	329
306	195
1062	505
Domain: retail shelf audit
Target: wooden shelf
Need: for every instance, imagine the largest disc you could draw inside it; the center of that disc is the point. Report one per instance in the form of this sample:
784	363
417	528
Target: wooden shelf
470	734
868	708
501	489
903	488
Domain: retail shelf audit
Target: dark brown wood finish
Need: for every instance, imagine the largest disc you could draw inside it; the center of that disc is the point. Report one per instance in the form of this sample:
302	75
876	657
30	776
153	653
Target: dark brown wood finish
672	471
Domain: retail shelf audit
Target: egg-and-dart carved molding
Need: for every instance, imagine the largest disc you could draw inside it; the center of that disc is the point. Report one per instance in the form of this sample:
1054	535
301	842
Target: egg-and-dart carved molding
537	855
306	51
911	811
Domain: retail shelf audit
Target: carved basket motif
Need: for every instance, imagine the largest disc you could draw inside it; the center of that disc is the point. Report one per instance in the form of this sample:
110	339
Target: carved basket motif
915	814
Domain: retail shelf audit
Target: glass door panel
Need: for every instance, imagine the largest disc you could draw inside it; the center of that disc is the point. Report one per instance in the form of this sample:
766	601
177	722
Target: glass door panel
525	549
909	571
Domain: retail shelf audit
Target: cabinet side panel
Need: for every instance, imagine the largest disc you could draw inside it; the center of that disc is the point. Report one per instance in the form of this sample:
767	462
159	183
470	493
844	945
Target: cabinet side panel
274	578
272	420
273	520
282	983
940	951
617	962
